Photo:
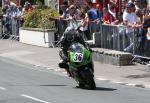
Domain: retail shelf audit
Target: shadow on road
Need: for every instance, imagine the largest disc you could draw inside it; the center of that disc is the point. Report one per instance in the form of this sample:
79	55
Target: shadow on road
138	76
105	89
100	89
53	85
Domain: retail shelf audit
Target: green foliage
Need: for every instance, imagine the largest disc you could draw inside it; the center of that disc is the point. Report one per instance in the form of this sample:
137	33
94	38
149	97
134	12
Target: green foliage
39	18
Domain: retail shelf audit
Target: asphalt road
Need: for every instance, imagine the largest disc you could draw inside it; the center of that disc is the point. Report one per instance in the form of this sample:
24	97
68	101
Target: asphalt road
24	83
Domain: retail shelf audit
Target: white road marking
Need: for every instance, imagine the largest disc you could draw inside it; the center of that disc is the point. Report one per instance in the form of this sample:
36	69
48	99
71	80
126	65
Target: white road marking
2	88
101	79
147	86
33	98
130	84
57	70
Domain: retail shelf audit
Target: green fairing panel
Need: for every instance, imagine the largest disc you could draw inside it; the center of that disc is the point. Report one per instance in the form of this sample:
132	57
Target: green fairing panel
86	58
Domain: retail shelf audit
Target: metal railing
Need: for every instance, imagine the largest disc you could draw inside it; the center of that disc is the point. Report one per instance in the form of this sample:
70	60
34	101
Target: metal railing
9	28
115	37
111	36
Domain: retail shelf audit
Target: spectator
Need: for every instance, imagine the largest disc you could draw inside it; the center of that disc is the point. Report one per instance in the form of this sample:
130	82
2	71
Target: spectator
124	3
131	1
103	3
12	15
146	10
130	20
146	27
139	16
3	16
144	4
100	5
92	13
84	26
111	9
138	8
139	31
92	18
8	16
116	6
65	2
27	8
6	2
20	16
108	18
4	9
99	12
63	11
71	2
143	47
74	13
137	4
15	11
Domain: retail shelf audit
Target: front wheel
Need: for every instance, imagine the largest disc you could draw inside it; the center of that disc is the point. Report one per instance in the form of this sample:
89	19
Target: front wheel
88	79
91	83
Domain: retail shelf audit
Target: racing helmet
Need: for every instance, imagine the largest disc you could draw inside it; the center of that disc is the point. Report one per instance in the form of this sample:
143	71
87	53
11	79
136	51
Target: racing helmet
70	34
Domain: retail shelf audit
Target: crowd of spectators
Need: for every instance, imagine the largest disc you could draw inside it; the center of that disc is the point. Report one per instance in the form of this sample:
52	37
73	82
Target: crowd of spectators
108	14
131	13
14	13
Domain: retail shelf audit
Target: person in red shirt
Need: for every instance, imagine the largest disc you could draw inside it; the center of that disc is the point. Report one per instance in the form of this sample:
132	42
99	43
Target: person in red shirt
116	7
101	5
107	17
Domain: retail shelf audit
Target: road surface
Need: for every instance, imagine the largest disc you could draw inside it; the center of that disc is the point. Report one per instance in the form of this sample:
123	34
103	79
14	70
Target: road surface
24	83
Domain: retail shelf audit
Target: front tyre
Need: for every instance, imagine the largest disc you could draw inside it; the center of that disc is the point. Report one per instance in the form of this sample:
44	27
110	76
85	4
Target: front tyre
90	83
88	79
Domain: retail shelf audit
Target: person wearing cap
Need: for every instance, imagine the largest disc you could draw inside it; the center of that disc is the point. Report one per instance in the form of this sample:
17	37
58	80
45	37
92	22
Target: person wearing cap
93	18
130	20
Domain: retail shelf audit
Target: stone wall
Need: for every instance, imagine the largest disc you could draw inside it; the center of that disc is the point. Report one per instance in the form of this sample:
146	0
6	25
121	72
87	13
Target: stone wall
113	57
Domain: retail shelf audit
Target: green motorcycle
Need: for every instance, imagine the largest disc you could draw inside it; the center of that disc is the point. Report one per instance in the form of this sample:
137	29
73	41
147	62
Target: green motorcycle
80	66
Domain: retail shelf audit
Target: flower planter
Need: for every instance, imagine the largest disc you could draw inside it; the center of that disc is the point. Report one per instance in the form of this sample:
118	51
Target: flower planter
36	36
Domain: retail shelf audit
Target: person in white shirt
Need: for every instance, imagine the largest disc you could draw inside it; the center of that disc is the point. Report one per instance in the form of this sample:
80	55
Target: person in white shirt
131	1
84	26
130	20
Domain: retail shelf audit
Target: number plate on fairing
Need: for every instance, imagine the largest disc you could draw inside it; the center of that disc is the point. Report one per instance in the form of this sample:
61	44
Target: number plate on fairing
78	57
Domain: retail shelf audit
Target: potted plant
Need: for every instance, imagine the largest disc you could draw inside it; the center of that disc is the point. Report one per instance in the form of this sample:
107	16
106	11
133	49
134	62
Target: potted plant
37	28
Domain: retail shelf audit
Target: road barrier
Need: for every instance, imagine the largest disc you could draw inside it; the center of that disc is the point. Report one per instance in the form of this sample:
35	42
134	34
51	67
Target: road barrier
114	37
9	28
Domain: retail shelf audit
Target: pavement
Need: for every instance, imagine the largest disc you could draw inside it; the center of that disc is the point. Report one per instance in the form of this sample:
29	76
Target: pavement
134	75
